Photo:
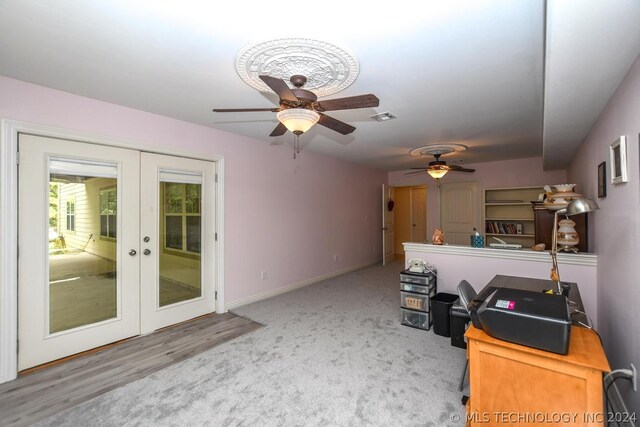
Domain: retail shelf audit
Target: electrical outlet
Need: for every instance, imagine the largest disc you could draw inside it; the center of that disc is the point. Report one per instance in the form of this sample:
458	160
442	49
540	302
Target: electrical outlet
263	275
374	249
366	218
634	378
335	258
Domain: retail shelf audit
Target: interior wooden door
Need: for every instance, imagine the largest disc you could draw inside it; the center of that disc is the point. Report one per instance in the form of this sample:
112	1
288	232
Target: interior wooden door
418	214
387	225
460	211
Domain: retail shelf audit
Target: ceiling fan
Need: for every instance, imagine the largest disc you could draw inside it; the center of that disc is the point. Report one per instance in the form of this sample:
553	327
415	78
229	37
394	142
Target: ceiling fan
439	168
300	109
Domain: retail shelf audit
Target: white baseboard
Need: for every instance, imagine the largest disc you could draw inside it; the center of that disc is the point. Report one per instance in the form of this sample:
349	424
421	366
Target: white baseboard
294	286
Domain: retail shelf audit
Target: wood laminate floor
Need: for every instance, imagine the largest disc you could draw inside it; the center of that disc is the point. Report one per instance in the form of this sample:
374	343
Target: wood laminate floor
37	395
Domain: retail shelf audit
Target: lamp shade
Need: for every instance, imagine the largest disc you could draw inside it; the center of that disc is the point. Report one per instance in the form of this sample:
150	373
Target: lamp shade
298	120
581	205
437	173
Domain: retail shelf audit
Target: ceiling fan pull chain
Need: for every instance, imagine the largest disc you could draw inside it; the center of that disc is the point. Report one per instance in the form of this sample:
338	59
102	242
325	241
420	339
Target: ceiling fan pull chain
295	143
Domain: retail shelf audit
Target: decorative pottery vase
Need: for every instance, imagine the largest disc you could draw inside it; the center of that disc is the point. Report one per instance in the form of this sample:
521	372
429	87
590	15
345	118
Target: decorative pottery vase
567	235
561	198
438	237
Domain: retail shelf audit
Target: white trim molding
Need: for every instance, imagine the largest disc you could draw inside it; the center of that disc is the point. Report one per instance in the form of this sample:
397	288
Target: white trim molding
219	273
9	131
523	254
8	252
298	285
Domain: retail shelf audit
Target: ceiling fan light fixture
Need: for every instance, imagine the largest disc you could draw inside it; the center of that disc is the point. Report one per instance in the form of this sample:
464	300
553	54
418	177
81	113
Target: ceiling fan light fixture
437	173
298	120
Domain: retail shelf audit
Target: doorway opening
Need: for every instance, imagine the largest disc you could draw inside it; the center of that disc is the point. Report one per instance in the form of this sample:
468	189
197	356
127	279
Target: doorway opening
410	217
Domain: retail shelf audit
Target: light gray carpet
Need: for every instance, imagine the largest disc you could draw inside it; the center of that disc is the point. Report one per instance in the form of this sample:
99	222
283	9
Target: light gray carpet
333	353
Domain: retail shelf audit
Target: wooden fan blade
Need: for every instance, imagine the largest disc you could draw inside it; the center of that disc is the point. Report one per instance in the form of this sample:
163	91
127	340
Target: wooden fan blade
335	124
415	172
456	168
280	88
279	130
349	103
244	110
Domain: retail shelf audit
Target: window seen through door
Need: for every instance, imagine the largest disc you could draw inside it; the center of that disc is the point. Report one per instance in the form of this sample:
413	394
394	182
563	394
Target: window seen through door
108	209
71	214
182	216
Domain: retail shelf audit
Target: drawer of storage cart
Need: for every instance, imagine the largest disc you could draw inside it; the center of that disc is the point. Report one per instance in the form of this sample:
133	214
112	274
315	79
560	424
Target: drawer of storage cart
417	319
418	280
414	301
422	289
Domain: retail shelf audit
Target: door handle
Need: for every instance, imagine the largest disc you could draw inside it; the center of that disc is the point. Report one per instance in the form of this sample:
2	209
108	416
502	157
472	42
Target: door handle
132	252
146	252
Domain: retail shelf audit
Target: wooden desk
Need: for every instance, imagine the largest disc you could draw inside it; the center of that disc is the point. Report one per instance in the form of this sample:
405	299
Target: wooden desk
511	384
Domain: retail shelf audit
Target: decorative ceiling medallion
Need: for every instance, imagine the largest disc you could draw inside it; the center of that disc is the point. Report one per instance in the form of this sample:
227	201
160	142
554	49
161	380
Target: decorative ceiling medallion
328	68
430	150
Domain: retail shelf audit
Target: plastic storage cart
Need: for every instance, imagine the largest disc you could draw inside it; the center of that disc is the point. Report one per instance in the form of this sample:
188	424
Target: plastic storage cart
416	291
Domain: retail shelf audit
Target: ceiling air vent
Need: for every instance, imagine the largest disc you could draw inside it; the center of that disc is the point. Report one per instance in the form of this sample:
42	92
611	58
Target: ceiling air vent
383	117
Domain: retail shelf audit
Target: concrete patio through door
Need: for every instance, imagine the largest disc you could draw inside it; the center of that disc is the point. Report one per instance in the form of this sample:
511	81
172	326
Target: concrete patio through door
83	290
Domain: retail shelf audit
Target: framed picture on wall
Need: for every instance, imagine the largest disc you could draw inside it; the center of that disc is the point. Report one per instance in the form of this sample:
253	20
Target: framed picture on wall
602	180
618	160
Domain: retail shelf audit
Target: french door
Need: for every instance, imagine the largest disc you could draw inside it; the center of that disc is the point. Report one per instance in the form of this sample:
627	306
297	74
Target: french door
178	239
112	243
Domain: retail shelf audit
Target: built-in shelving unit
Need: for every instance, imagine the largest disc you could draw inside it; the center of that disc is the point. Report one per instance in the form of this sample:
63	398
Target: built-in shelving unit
508	214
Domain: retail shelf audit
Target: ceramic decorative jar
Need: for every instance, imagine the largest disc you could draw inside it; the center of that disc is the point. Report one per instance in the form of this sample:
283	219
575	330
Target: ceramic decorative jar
438	237
561	198
567	235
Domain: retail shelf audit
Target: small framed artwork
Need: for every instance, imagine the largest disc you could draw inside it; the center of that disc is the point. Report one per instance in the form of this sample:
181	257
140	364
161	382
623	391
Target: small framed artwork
602	180
618	160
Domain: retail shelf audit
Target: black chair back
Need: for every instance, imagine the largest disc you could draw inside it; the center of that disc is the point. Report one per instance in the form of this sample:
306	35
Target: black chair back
466	293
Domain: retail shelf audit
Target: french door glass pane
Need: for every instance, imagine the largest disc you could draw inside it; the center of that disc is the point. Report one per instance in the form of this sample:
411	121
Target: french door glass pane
180	237
82	265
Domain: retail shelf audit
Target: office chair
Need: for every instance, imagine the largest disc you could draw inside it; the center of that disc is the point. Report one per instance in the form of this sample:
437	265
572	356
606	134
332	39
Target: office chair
466	294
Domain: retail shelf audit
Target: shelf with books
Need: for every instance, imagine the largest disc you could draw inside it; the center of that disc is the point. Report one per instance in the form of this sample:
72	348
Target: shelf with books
509	228
514	235
507	203
509	219
508	214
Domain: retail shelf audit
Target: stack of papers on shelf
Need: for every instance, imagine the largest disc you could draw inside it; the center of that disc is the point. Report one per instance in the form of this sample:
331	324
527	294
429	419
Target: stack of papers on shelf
505	246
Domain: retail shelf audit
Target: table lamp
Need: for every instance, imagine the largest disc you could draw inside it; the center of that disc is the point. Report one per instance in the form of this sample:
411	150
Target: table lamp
575	207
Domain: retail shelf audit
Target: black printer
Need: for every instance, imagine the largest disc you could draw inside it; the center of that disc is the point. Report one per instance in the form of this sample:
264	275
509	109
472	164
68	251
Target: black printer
534	319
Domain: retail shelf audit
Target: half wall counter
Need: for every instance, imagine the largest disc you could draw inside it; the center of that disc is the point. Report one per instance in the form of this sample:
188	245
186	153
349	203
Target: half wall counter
479	265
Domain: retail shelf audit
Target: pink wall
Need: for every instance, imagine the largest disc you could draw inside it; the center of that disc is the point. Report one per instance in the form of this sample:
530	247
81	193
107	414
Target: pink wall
288	218
505	173
616	226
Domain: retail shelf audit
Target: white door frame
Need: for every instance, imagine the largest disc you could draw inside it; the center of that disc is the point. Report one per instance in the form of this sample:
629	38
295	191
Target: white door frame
9	130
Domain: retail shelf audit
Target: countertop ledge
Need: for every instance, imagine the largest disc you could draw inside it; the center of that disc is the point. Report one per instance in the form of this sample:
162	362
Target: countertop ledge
516	254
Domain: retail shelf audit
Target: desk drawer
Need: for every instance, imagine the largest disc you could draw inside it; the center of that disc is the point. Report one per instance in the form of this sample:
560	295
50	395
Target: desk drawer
414	301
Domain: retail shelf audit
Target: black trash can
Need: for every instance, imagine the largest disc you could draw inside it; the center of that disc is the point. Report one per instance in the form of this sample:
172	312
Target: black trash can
459	319
440	305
